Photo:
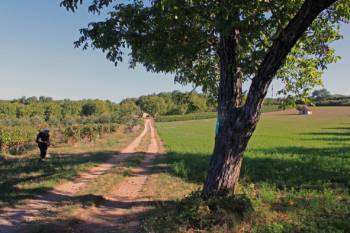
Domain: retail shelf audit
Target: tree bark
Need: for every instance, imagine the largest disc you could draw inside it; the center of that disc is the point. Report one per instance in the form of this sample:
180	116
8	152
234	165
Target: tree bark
237	123
231	140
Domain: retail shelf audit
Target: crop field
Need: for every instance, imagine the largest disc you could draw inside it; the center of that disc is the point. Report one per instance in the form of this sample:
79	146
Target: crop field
296	171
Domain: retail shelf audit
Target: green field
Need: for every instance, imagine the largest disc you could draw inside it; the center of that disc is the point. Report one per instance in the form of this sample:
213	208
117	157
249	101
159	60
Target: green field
296	171
204	115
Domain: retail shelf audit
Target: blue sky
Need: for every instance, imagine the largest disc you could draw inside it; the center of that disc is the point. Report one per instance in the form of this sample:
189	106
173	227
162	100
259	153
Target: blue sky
37	57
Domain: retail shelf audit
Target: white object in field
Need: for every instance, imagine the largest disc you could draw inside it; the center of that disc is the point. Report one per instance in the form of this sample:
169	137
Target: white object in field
145	115
304	110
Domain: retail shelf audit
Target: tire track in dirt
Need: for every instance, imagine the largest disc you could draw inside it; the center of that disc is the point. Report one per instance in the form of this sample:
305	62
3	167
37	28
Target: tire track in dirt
12	219
123	208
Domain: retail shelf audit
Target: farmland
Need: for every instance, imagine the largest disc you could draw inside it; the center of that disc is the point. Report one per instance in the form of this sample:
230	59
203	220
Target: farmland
296	172
295	176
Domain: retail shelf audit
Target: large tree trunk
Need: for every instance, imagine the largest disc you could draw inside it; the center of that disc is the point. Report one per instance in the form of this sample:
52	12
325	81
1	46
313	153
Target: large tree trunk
234	132
225	164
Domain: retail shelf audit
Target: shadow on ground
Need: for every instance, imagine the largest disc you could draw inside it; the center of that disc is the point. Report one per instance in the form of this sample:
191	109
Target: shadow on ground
22	178
166	216
288	167
75	224
292	167
337	134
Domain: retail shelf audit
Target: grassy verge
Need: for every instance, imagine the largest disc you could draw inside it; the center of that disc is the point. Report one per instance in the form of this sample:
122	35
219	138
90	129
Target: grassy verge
23	177
296	175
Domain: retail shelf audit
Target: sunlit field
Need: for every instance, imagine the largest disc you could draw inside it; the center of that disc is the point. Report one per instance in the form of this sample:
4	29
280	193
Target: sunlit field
296	170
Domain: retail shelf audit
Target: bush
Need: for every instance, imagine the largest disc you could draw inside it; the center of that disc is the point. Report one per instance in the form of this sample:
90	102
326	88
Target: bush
194	214
72	133
90	132
14	137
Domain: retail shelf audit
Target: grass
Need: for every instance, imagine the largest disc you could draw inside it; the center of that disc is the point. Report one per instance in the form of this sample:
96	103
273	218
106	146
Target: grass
296	173
23	177
205	115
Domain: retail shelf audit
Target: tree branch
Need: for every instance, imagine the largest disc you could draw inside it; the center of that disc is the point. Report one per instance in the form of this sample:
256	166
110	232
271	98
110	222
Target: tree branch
278	52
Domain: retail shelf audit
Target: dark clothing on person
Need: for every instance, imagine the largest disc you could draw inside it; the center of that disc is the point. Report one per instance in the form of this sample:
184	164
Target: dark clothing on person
43	150
43	140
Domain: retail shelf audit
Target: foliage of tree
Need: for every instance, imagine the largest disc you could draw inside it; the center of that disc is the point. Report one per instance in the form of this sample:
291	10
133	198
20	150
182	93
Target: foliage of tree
93	108
196	103
174	103
218	45
321	94
153	105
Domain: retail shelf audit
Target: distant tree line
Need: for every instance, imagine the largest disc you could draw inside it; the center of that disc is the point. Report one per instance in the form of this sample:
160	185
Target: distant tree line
174	103
181	103
56	112
324	97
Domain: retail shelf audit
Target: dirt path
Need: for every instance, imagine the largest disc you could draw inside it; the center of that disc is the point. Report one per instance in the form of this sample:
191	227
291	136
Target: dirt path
123	207
119	211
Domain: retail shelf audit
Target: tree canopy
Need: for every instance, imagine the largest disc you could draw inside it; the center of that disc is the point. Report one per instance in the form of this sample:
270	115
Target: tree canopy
182	37
321	94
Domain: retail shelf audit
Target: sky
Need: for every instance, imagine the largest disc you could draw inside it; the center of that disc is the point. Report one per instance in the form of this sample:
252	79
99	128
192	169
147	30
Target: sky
37	57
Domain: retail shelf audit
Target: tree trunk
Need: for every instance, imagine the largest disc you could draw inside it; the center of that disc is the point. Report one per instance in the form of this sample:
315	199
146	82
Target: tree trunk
237	123
225	164
234	132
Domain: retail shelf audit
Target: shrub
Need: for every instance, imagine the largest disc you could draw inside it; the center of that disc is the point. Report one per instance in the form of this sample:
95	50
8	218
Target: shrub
195	214
72	133
14	137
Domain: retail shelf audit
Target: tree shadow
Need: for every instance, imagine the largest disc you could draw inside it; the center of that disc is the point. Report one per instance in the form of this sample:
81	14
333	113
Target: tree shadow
103	221
284	167
295	168
340	135
338	128
333	140
159	216
303	153
335	134
17	175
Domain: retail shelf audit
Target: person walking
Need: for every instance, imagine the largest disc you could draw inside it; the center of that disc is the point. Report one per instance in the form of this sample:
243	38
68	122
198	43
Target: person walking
43	140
